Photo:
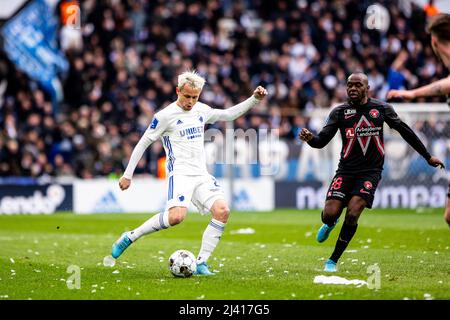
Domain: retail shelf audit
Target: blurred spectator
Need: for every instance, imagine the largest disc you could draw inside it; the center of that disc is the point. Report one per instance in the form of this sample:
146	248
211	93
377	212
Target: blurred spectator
430	9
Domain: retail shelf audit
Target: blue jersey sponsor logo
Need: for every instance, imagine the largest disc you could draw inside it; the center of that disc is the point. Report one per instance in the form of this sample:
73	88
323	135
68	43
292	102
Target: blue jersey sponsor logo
154	123
191	133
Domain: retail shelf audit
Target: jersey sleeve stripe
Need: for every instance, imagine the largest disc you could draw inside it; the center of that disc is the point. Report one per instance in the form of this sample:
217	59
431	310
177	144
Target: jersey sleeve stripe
171	158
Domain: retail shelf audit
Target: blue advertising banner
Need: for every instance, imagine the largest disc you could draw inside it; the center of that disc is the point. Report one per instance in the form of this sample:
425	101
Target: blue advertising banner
389	194
30	43
35	199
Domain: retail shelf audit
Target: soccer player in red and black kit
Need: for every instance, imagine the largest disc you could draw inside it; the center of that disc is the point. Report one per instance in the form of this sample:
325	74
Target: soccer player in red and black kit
360	122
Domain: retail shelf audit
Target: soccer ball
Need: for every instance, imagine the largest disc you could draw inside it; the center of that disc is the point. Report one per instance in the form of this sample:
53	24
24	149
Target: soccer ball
182	263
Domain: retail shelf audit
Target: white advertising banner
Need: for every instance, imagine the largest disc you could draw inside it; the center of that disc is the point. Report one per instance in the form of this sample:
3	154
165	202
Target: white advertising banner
149	195
104	196
251	194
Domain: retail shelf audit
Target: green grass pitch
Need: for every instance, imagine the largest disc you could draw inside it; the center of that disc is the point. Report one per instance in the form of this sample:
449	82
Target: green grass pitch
278	261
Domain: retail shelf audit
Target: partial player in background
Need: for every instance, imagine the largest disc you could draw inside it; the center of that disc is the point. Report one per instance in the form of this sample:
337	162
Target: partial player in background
439	28
360	123
180	126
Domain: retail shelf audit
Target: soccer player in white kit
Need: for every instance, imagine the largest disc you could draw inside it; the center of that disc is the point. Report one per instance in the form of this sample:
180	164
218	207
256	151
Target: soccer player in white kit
439	28
180	125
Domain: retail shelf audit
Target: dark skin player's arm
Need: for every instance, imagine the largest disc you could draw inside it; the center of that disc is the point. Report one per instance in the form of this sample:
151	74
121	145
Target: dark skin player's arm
410	137
324	136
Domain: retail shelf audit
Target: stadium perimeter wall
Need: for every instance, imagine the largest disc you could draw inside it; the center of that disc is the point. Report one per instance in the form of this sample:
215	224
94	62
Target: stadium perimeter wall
148	195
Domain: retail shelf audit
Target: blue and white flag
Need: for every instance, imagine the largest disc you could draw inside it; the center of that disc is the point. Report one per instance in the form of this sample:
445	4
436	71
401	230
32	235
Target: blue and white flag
30	43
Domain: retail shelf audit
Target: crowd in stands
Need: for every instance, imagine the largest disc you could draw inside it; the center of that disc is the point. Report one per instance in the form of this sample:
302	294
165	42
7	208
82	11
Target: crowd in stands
124	64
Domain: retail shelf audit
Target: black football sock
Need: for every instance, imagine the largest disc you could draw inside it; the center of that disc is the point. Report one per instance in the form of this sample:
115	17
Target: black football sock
329	222
346	234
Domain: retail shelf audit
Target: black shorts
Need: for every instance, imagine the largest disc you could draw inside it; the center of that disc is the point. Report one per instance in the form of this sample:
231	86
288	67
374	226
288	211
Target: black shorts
344	186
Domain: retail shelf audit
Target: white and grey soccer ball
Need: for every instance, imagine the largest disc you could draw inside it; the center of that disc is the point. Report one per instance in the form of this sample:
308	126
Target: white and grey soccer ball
182	263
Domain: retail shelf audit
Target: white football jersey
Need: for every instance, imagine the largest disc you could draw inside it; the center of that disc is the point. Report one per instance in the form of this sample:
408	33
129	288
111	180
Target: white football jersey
182	134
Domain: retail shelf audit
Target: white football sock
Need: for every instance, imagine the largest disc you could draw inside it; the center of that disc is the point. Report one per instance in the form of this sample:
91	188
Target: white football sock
211	237
157	222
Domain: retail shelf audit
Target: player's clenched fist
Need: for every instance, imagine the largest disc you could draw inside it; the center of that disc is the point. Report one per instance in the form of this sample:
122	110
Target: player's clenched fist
260	93
124	183
305	135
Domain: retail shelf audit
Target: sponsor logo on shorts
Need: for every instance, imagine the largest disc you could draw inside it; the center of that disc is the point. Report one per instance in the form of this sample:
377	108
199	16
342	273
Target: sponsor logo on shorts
368	185
337	194
364	191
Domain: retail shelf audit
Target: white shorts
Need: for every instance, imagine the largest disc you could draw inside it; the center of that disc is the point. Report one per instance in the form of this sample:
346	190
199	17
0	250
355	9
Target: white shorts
203	191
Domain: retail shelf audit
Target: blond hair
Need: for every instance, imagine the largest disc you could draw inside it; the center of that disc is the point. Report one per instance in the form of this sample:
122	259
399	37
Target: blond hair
192	78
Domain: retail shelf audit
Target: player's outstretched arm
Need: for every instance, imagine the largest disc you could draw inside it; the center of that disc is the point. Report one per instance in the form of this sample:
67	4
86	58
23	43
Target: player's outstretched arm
136	155
319	141
239	109
438	88
393	120
153	132
325	135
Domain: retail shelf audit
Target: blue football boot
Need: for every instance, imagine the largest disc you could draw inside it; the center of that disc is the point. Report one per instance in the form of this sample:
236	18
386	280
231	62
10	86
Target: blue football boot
120	245
203	270
325	231
330	266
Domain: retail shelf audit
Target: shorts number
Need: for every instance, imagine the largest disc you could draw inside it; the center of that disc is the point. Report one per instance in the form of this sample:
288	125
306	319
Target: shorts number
337	182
